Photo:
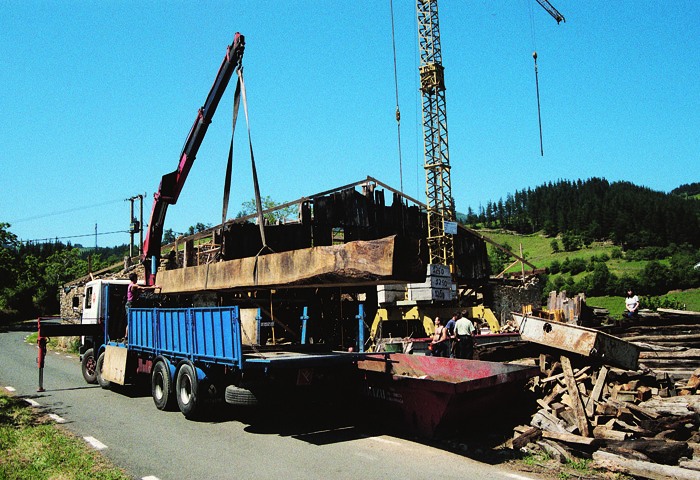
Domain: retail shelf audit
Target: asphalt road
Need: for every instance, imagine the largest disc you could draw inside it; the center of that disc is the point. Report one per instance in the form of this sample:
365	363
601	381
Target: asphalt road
296	443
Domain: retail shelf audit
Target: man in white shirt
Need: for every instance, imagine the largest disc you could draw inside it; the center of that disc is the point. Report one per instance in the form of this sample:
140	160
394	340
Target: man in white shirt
465	338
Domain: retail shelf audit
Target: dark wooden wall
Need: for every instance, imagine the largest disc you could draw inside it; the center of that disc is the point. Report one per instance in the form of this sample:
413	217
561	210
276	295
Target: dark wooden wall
346	216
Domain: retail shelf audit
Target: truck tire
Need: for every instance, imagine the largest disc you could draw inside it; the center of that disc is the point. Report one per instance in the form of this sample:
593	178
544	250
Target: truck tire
88	365
106	384
186	390
162	386
240	396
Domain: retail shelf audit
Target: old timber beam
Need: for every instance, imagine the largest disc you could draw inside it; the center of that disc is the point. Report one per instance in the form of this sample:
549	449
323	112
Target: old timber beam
392	259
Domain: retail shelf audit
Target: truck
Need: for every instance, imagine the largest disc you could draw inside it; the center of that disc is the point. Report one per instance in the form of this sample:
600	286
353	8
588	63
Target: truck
194	356
191	347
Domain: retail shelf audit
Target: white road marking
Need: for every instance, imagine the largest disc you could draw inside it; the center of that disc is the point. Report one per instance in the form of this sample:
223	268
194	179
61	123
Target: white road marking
364	455
384	440
56	418
516	476
95	443
150	477
10	389
32	402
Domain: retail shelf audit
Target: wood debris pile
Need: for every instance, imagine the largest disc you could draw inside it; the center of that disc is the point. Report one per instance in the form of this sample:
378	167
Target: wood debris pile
670	342
634	422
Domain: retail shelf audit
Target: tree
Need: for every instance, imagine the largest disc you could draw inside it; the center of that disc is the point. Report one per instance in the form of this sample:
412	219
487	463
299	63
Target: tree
498	259
555	245
654	279
267	203
197	228
570	241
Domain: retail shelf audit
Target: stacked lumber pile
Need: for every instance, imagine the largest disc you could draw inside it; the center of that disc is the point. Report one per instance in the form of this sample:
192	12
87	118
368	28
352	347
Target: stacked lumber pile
618	418
670	341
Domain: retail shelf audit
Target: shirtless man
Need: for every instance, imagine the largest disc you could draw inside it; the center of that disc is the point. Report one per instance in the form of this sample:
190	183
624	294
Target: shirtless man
439	342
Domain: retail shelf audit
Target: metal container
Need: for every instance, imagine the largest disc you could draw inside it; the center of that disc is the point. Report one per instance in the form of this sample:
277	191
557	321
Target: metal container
430	396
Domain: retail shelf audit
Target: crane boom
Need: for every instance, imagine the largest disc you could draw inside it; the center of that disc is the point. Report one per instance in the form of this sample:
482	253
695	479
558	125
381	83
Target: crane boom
552	11
171	184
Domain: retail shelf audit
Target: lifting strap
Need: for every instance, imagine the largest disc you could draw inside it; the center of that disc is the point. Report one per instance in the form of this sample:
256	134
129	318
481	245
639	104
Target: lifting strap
258	203
229	165
240	94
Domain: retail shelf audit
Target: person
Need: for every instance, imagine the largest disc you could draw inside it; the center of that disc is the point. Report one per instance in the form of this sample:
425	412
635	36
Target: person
439	343
451	335
132	295
134	290
464	329
631	304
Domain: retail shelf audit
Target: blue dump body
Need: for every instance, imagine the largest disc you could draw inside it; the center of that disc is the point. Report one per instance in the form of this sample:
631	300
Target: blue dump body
211	335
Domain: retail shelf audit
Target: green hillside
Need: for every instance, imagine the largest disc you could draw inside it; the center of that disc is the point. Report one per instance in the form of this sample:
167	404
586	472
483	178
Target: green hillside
663	277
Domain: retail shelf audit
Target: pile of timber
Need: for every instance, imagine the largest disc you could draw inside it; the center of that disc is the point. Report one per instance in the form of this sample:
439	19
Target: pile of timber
669	339
618	418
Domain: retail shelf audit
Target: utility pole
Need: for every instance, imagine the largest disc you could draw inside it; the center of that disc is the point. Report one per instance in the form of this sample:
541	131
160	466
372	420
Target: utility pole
141	224
135	225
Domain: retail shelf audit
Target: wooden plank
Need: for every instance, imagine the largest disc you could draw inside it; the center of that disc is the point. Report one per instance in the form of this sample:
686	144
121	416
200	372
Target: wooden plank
597	389
662	338
388	260
677	312
531	435
581	418
618	463
114	365
569	438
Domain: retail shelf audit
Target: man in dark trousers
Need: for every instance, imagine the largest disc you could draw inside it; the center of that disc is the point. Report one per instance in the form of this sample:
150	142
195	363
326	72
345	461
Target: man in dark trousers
464	329
451	335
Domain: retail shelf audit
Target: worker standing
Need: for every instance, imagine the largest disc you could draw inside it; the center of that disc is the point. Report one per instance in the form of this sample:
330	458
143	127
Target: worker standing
464	329
452	335
438	346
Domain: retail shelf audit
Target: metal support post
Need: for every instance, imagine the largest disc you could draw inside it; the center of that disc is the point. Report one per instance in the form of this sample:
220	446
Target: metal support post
258	319
41	342
361	329
304	320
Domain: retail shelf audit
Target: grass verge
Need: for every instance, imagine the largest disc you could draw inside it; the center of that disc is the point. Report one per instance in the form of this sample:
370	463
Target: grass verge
64	344
31	446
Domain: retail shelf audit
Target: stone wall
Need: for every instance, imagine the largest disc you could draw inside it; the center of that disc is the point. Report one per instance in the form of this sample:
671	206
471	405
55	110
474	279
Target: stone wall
73	293
508	297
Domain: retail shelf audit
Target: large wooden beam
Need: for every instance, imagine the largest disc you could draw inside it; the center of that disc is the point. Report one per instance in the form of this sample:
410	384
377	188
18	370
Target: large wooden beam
388	260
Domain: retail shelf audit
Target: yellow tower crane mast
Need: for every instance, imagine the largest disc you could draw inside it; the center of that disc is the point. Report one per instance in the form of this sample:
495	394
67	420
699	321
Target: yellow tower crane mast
437	162
441	209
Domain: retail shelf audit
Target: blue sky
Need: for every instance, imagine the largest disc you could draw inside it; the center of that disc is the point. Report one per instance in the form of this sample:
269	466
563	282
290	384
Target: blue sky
98	99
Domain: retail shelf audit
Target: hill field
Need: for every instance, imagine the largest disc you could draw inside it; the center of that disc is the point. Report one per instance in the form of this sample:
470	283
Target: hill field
537	249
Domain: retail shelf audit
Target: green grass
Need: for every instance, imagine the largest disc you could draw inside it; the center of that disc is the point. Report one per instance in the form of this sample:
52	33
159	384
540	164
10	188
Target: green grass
689	298
537	249
72	346
616	305
33	447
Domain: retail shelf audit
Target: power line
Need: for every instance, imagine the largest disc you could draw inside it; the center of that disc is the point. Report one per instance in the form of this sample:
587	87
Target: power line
71	210
44	240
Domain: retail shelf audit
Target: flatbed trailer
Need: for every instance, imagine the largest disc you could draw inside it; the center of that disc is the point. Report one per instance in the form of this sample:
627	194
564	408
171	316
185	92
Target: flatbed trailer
196	355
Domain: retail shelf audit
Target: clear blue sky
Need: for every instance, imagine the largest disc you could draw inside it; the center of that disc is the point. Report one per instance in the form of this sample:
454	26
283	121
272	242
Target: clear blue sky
98	98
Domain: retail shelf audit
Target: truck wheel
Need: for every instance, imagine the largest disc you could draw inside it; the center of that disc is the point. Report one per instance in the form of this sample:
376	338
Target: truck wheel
88	365
106	384
186	388
240	396
162	386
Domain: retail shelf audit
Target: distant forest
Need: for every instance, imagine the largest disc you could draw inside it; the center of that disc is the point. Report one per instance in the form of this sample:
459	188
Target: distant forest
31	274
595	209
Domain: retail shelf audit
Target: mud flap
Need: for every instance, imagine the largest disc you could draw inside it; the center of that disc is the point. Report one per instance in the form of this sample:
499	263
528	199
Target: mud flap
114	367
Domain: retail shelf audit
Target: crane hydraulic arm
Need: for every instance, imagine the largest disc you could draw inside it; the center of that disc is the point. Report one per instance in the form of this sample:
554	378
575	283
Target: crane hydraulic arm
171	184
